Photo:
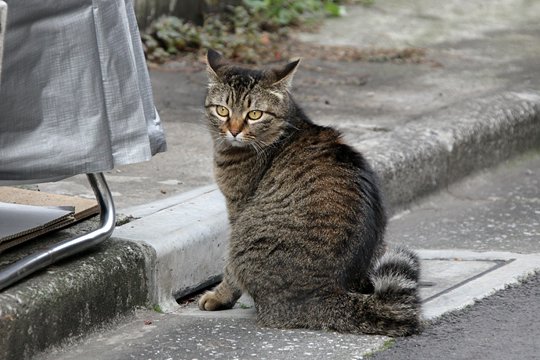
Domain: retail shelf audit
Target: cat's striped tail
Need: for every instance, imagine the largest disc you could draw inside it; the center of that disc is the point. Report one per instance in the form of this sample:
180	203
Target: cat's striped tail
395	301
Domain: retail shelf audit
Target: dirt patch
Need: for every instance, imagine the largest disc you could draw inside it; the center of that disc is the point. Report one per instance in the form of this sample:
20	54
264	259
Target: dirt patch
195	62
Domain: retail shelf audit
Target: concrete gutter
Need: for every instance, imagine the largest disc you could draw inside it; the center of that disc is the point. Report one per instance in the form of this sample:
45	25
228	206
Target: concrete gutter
507	269
412	161
459	278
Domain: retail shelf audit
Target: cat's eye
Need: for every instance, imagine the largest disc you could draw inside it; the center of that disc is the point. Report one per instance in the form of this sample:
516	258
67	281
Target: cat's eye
254	114
222	111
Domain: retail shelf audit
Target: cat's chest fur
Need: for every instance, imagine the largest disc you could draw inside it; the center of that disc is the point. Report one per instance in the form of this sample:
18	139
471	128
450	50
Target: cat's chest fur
250	178
238	174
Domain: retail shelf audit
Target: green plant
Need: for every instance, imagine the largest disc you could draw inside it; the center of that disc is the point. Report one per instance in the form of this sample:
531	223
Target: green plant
248	33
385	346
276	13
244	306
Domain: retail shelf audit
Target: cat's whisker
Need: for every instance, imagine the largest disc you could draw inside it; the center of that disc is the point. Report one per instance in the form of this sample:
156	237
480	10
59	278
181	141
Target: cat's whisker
219	140
262	152
258	149
292	126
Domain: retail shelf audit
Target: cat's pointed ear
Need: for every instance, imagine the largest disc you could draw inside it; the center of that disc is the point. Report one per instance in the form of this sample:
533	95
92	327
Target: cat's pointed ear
214	60
284	76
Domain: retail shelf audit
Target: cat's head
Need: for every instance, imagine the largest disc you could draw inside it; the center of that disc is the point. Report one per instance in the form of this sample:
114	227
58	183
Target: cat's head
245	107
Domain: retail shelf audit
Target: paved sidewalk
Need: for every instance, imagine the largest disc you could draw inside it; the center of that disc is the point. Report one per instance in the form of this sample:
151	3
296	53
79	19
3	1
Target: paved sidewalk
472	102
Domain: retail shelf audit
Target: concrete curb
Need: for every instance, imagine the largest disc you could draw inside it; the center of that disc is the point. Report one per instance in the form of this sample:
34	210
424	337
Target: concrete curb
412	161
190	246
446	145
72	298
178	245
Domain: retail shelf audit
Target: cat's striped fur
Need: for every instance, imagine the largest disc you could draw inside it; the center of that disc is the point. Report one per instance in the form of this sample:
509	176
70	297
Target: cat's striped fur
307	220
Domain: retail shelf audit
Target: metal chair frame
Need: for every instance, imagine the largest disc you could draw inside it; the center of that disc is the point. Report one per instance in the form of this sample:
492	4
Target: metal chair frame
43	258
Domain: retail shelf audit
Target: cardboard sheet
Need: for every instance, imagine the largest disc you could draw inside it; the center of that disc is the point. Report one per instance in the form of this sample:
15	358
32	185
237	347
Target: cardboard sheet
27	214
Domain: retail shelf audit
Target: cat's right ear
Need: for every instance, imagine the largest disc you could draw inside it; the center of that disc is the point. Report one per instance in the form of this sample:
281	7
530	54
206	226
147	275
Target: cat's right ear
284	76
214	60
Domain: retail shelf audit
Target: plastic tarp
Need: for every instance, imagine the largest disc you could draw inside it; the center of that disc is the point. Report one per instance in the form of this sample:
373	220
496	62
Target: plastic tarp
75	95
3	12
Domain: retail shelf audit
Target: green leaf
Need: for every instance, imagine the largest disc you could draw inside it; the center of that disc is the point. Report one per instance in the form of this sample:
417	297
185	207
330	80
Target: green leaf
333	9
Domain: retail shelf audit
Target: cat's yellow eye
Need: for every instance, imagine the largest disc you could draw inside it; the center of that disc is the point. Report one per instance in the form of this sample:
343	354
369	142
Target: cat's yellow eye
222	111
254	114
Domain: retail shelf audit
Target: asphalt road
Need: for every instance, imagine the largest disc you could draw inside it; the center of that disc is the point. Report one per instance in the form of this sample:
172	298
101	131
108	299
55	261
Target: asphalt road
494	210
503	326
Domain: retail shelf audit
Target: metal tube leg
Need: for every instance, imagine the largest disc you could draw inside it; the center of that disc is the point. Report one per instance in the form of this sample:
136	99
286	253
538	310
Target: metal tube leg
63	249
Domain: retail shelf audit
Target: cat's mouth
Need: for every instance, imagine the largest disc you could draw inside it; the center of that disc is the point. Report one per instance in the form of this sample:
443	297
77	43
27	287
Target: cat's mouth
236	141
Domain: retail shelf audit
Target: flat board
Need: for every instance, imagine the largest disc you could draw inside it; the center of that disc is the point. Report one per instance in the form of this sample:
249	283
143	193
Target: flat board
27	214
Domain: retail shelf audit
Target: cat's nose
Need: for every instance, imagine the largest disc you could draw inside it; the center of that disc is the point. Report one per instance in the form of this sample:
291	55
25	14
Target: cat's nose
234	132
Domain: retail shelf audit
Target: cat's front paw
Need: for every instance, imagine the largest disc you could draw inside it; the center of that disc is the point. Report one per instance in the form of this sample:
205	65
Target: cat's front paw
210	301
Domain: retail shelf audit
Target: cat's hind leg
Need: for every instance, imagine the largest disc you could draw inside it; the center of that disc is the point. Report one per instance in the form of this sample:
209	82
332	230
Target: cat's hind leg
393	308
223	296
346	313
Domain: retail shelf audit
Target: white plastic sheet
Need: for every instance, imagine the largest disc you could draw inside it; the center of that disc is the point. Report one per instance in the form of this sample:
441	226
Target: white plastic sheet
75	95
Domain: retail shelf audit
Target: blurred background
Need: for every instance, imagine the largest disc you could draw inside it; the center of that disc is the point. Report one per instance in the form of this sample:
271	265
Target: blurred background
369	66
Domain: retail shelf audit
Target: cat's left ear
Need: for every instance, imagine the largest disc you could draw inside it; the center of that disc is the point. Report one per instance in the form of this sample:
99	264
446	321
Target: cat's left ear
284	75
214	60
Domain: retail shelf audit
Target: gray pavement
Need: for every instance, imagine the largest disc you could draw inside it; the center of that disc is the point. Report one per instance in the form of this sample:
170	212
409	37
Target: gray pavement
501	326
472	103
496	210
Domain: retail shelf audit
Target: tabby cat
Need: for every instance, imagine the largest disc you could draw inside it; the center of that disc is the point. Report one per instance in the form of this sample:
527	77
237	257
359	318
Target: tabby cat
306	215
